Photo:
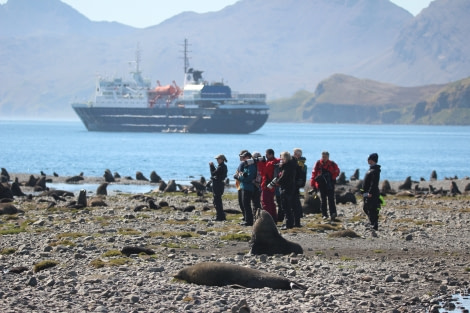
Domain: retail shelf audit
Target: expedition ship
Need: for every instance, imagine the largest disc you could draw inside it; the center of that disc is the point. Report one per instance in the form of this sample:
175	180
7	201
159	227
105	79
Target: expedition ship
198	107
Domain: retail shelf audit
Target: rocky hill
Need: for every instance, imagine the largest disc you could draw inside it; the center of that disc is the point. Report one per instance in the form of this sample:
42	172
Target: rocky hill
51	54
347	99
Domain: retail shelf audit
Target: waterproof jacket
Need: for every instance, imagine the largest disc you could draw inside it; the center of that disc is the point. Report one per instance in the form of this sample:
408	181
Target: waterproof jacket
300	173
371	181
249	175
329	165
218	175
267	172
287	175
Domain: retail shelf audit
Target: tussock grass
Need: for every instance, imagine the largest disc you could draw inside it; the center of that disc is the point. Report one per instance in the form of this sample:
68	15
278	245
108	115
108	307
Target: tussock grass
44	265
111	253
7	251
12	231
346	259
99	263
237	237
128	231
62	243
70	235
345	233
169	234
323	227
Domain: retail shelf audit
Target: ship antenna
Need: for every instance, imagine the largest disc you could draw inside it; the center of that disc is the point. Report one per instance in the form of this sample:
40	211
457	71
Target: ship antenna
186	58
137	58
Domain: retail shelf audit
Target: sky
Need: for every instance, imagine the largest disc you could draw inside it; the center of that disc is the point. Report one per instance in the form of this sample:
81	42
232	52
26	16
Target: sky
145	13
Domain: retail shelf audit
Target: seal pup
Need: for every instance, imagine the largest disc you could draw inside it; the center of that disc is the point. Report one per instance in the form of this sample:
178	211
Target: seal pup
266	239
226	274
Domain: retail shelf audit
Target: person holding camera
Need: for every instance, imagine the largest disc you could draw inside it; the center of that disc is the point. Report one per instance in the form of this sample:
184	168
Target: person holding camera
286	181
218	175
300	181
323	178
237	182
259	161
246	178
371	192
269	170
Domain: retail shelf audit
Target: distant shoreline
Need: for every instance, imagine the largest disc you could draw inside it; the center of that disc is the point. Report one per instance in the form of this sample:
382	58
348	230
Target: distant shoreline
445	184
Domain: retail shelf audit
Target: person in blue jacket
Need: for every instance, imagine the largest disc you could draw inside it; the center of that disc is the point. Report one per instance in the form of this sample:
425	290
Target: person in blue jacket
246	178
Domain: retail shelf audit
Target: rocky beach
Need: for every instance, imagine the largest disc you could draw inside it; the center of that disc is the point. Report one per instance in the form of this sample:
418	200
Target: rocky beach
57	256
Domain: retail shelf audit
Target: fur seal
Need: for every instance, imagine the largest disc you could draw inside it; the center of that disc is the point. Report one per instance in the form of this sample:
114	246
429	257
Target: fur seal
108	177
225	274
406	184
154	177
266	239
128	250
345	198
101	190
140	176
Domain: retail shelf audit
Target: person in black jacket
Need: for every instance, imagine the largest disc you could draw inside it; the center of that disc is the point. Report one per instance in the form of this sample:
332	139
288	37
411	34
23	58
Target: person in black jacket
371	192
218	176
286	181
300	180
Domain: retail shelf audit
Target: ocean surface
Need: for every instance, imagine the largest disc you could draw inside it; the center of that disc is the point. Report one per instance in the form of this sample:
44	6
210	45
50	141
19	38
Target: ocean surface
67	148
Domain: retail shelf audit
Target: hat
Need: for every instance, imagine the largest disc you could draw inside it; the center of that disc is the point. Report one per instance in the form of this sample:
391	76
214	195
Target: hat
256	154
221	156
374	157
242	152
246	154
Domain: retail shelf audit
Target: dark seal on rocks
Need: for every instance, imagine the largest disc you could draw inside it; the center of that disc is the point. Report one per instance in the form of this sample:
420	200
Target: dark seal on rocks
312	204
406	184
266	239
140	176
225	274
345	198
108	177
128	250
154	177
101	190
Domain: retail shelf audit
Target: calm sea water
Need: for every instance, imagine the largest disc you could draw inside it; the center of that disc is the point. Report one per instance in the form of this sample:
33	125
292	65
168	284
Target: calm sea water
67	148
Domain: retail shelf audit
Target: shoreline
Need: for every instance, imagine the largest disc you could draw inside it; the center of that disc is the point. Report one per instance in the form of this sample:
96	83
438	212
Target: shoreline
419	256
444	184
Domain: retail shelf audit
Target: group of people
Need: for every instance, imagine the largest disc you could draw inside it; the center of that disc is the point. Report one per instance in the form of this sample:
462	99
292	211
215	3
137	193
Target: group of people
266	182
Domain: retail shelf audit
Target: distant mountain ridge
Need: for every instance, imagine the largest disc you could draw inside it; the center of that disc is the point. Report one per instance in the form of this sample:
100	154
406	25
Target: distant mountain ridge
50	54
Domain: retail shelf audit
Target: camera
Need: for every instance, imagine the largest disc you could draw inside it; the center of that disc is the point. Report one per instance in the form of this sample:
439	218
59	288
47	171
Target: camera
255	160
273	183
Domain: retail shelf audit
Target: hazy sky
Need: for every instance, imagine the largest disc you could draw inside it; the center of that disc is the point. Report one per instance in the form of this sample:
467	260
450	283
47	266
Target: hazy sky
144	13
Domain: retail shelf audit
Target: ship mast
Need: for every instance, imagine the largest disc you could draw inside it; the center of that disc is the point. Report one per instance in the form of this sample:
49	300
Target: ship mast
186	58
137	74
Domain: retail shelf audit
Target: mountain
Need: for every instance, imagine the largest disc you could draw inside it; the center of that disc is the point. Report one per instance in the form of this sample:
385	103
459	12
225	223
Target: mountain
346	99
431	48
51	54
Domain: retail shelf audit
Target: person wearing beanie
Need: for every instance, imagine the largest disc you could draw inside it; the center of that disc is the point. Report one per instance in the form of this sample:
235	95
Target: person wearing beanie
371	192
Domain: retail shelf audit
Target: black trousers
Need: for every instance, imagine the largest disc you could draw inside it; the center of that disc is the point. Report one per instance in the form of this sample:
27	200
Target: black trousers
218	191
286	204
297	207
327	200
247	196
371	208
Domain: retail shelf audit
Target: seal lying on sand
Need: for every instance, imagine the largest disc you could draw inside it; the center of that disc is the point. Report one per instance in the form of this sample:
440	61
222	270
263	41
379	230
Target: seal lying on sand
225	274
266	239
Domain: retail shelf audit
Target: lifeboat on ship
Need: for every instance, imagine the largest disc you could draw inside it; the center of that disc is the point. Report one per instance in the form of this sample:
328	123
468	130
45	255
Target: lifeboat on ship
167	92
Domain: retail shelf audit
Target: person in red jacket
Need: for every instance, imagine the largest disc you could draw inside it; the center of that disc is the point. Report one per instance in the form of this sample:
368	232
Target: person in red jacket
268	172
324	175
